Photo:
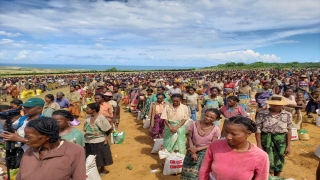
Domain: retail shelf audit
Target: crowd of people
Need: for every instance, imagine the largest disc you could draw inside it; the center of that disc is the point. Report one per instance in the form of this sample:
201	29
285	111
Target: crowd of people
170	100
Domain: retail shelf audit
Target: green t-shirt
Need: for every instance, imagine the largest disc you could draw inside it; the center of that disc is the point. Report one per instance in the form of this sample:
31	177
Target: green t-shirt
75	136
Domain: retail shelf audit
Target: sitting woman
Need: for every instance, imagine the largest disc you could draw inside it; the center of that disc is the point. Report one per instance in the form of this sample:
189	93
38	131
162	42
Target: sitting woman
50	106
66	131
49	157
175	115
201	134
97	128
155	112
224	157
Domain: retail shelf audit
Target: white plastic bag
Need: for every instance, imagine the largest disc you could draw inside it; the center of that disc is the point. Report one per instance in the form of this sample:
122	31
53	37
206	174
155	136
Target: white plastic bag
173	164
163	153
158	144
294	135
91	168
146	123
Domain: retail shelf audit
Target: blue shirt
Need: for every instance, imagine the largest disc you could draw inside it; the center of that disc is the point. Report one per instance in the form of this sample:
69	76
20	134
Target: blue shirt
63	103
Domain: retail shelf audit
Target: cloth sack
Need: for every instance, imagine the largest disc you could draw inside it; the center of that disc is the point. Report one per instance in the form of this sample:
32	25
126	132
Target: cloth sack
91	168
173	164
317	152
158	144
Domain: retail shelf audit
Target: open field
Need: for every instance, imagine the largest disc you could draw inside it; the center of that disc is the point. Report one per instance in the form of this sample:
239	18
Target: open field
300	164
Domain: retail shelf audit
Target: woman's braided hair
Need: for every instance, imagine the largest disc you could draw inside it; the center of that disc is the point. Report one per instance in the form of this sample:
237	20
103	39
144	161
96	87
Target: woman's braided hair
46	126
64	113
248	123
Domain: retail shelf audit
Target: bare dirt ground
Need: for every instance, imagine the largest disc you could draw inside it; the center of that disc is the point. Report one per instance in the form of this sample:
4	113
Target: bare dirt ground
136	150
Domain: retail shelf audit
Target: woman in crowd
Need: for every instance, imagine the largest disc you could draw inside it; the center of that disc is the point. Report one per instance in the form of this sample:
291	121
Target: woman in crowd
116	96
50	105
155	112
74	99
147	104
228	90
49	157
97	128
314	102
228	158
191	99
16	104
274	132
244	94
62	101
66	131
262	95
212	101
232	108
174	116
105	109
201	134
289	97
79	89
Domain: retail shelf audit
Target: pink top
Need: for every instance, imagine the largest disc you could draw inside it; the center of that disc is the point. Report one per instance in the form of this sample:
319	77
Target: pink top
225	163
200	141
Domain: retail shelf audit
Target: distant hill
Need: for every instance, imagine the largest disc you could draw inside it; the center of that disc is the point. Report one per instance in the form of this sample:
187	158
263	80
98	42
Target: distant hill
262	65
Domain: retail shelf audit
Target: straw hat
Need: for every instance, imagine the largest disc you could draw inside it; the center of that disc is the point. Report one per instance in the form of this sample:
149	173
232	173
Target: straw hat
303	76
277	100
100	84
108	94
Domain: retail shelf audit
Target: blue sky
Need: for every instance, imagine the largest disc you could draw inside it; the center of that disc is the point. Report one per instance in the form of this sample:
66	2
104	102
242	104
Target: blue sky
158	32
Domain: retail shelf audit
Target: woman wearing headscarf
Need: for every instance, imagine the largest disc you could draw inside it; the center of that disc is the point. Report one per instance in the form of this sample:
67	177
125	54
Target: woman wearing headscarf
66	131
49	157
97	128
274	132
228	158
175	115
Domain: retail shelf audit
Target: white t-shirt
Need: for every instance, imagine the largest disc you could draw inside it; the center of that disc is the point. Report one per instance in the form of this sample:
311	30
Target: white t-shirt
192	100
20	131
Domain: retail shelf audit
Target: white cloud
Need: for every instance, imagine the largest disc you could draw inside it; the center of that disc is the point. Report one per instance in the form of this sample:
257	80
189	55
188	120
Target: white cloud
234	56
213	31
22	55
8	34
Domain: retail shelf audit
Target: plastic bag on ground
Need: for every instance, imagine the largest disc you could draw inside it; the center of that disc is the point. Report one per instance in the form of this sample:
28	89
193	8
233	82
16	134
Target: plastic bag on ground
146	123
173	164
91	168
118	138
158	144
163	153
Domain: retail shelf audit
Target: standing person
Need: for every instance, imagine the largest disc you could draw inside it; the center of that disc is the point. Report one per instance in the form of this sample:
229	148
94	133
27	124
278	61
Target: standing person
32	109
228	89
49	157
274	132
191	99
63	102
74	99
106	109
16	104
154	114
66	131
212	101
228	158
174	116
116	96
314	102
201	134
147	104
160	90
175	89
263	95
233	108
244	94
97	128
50	106
134	94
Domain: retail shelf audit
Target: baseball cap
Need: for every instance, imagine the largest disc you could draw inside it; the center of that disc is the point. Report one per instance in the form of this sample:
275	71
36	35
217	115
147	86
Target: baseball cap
32	102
